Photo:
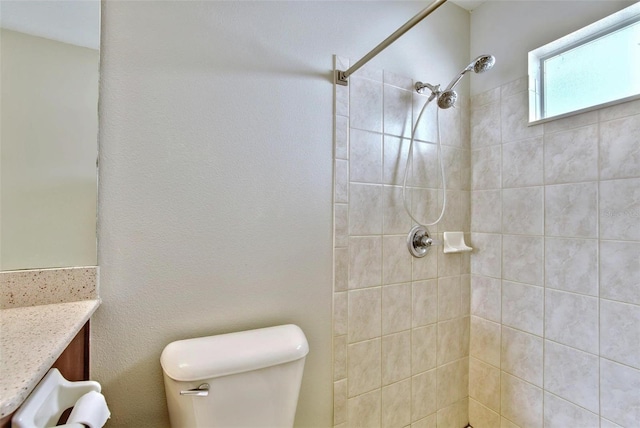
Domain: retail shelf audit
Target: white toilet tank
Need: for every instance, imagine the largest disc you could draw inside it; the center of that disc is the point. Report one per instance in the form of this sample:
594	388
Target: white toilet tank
245	379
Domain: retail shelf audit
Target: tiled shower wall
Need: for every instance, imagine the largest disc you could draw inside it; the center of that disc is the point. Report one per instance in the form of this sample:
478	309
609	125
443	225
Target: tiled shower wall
401	324
555	306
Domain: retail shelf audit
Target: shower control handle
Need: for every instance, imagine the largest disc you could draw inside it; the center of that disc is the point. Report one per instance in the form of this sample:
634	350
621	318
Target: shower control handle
419	241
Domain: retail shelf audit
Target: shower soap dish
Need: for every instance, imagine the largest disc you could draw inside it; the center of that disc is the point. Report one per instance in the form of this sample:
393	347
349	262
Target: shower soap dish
454	243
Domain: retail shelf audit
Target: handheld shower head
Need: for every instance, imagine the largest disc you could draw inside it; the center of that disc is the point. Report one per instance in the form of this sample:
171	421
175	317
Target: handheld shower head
483	63
448	96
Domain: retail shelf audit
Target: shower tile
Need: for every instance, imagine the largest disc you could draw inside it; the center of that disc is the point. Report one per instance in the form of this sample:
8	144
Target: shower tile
426	129
365	104
465	294
340	62
428	422
523	259
521	402
620	209
341	280
620	271
340	313
396	260
364	316
341	225
485	168
571	210
397	80
448	264
339	402
425	166
342	137
425	302
559	413
620	148
453	382
424	342
395	154
396	357
522	163
397	111
425	267
451	126
454	416
394	217
423	395
522	355
571	156
487	255
571	122
619	393
484	384
457	211
523	211
522	307
486	297
396	308
365	157
449	298
342	100
365	261
364	367
451	157
572	319
339	358
424	205
465	172
486	211
396	404
619	110
515	119
620	329
365	209
341	181
490	96
369	71
505	423
481	416
485	341
451	336
572	265
515	87
364	410
485	125
608	424
572	375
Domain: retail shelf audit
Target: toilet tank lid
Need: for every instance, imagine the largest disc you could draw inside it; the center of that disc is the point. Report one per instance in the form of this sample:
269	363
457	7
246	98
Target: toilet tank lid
226	354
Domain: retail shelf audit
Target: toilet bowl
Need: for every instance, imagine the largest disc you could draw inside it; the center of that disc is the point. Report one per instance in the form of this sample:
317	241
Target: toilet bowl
245	379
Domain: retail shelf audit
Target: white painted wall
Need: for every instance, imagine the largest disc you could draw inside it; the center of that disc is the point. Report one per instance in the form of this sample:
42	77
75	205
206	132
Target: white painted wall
49	116
510	29
215	204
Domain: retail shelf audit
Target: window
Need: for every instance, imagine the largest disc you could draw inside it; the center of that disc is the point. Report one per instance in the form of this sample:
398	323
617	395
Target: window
594	66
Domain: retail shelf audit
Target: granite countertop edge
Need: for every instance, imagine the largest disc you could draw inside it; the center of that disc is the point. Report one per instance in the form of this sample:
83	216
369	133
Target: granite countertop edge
31	340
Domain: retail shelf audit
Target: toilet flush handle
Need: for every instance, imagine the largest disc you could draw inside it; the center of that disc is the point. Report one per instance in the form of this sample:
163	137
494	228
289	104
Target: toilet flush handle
200	391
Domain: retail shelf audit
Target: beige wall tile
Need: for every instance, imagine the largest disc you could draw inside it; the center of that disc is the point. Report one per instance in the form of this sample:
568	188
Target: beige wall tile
396	404
396	307
521	402
364	314
396	357
484	384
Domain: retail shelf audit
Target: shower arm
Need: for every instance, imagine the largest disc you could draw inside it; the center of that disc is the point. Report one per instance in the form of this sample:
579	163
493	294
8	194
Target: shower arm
341	77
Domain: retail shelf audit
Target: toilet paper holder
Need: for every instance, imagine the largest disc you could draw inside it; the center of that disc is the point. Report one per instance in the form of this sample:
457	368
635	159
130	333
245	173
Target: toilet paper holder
53	395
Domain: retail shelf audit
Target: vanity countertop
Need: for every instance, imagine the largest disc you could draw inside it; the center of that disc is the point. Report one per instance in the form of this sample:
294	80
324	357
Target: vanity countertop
31	340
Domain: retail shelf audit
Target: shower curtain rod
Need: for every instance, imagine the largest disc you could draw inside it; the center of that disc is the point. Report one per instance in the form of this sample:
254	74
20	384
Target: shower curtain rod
341	77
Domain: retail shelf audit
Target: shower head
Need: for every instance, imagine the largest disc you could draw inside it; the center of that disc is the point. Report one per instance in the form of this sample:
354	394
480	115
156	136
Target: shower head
448	97
483	63
478	65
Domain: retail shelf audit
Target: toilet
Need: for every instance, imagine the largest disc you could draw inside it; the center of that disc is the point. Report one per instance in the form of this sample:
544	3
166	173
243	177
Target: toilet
245	379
